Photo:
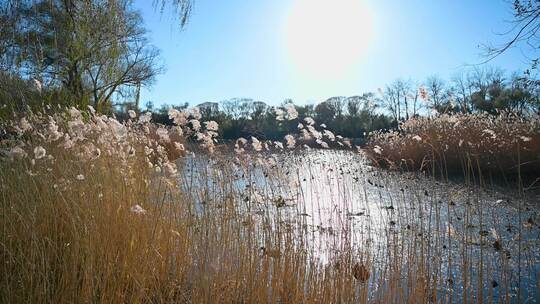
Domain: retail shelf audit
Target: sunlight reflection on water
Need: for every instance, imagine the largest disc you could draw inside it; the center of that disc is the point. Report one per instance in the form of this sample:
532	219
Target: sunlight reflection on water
337	202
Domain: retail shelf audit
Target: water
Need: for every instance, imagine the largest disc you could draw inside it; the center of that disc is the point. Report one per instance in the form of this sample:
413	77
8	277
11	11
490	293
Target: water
475	243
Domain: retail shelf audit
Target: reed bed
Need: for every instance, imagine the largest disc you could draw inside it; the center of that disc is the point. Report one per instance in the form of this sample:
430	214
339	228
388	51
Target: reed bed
93	210
462	144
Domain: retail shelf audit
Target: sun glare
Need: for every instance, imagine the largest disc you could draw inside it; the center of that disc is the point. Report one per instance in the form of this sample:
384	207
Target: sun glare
326	39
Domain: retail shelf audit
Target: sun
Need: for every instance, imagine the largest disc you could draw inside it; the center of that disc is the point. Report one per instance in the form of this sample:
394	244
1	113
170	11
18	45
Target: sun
327	38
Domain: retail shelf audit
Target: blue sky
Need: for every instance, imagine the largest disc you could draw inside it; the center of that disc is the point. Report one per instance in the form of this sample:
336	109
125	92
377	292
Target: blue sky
258	49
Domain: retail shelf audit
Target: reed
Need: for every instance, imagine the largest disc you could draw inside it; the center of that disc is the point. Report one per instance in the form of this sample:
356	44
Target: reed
93	210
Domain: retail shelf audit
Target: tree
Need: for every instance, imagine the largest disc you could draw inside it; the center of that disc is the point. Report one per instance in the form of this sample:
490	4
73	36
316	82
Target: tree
208	109
149	106
93	50
524	31
237	108
396	99
361	115
259	110
461	88
354	104
414	98
306	110
85	51
435	87
326	112
521	98
182	8
390	101
338	103
122	62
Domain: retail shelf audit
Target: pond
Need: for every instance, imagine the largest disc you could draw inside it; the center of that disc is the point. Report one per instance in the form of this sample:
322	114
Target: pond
467	243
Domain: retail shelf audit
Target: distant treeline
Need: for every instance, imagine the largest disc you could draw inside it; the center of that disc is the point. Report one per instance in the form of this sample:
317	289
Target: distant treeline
475	91
243	117
78	53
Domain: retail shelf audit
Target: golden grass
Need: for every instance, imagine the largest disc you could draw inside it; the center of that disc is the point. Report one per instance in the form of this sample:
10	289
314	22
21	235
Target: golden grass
129	226
69	234
75	241
462	143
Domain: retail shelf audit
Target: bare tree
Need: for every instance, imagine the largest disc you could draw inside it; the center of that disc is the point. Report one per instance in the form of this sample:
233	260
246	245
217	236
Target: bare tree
396	99
436	88
462	91
240	108
524	31
354	104
338	103
414	99
390	100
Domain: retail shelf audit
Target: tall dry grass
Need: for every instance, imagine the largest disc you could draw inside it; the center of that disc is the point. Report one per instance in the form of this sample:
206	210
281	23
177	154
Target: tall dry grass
97	211
94	211
463	144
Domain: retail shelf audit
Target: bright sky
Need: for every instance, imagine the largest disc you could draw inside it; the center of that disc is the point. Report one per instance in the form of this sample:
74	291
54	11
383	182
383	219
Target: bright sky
309	50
